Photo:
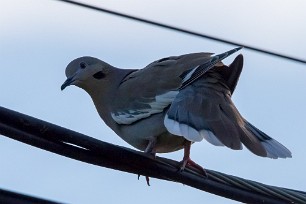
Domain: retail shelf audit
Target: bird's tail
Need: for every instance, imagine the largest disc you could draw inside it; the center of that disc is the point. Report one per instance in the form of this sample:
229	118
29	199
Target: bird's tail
273	148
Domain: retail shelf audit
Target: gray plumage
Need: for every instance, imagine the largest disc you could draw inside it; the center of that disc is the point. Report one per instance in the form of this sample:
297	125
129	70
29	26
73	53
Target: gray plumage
172	100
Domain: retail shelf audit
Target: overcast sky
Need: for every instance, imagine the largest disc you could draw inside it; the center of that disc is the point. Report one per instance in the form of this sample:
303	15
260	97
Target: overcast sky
38	38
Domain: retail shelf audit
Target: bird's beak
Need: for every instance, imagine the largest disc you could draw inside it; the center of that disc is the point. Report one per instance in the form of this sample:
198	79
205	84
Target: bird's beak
68	82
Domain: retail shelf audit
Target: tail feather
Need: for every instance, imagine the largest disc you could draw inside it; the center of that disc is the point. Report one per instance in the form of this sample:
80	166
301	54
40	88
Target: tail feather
252	142
273	148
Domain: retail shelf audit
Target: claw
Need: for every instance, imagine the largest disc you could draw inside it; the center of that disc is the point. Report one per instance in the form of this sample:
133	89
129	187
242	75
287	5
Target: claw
192	164
147	179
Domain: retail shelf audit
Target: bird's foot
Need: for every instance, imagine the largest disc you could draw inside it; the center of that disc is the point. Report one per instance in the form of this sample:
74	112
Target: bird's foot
188	162
151	152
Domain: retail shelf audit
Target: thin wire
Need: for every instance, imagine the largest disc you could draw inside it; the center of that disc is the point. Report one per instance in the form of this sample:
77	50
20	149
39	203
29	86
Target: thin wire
182	30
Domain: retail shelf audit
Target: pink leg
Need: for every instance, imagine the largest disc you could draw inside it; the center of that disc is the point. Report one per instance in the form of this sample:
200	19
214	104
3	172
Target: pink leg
188	162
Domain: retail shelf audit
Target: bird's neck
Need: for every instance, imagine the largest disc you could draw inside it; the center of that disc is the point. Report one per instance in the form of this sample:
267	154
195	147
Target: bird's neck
103	99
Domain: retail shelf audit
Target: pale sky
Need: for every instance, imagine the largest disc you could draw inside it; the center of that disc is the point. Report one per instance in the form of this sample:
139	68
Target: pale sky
38	38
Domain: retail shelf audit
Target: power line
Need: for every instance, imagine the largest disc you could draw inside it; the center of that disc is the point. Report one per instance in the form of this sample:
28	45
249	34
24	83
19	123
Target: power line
77	146
182	30
10	197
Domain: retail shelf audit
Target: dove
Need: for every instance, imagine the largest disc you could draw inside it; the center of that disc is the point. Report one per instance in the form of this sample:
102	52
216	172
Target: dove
172	103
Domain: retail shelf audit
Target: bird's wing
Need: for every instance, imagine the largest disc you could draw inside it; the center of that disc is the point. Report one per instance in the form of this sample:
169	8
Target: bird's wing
205	109
232	74
150	90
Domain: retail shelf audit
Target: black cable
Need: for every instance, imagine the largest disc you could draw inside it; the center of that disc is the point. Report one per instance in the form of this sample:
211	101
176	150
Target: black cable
182	30
9	197
77	146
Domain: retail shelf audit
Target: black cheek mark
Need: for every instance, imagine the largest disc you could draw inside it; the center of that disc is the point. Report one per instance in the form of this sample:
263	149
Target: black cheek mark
99	75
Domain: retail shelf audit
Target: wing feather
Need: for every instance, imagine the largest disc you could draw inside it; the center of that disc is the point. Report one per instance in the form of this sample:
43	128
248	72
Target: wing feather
150	90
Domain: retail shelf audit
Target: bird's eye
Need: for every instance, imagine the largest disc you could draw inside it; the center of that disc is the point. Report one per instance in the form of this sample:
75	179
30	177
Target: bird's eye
82	65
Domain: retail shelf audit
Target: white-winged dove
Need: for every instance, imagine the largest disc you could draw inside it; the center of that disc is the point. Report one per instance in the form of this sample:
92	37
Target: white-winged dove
172	103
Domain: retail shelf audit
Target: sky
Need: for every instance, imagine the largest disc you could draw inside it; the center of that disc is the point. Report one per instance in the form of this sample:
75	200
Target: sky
38	38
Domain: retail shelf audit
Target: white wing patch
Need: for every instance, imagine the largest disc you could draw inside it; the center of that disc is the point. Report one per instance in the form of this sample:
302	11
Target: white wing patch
190	133
163	100
129	116
189	74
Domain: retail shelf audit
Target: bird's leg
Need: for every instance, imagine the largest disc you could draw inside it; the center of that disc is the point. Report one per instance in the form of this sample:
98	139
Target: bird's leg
151	151
187	161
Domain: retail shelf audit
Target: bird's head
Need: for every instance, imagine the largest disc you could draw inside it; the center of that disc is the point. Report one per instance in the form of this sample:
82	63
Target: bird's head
84	71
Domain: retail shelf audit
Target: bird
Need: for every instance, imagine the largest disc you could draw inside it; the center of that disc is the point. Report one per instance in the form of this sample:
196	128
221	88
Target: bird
172	103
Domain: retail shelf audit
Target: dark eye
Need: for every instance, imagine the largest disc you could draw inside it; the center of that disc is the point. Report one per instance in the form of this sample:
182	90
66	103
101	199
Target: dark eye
82	65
